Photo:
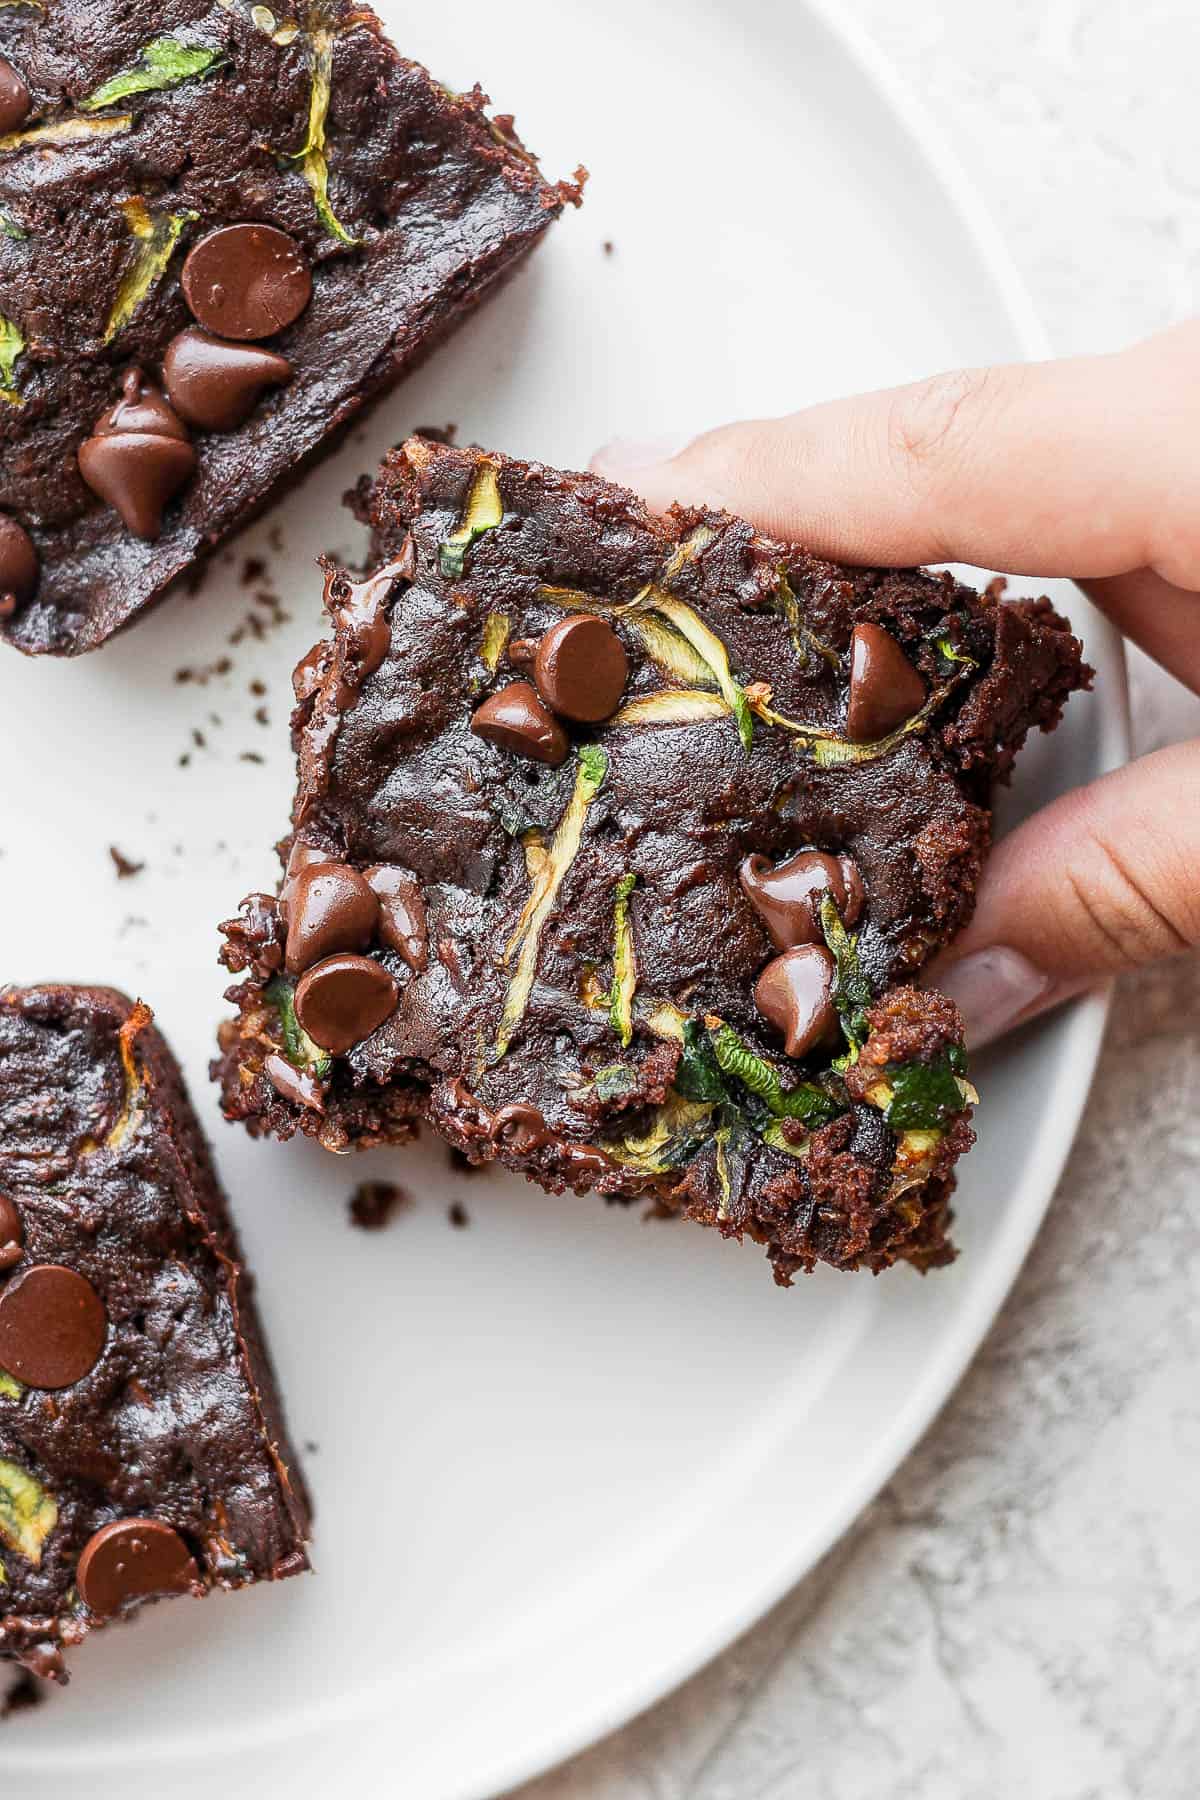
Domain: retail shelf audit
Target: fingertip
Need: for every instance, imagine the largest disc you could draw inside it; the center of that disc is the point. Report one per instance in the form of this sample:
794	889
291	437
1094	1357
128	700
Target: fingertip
625	460
994	990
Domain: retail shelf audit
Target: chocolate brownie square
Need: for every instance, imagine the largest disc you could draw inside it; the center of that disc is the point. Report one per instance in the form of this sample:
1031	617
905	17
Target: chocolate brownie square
143	1450
224	229
617	845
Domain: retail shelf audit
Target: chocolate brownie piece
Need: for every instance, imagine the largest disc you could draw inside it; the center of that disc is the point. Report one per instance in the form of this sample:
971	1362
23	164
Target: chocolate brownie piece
143	1450
223	230
617	842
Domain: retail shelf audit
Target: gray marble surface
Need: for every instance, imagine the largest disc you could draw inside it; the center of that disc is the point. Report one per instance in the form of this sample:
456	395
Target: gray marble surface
1019	1612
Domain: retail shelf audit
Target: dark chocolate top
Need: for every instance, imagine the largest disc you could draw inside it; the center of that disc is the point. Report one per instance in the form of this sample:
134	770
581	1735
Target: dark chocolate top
152	128
133	1381
601	922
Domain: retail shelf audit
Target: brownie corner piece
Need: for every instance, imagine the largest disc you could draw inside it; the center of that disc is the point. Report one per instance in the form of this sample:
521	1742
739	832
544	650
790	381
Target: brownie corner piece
221	236
143	1449
618	845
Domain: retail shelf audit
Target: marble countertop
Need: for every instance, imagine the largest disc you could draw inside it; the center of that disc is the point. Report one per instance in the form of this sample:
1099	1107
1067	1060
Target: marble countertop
1019	1612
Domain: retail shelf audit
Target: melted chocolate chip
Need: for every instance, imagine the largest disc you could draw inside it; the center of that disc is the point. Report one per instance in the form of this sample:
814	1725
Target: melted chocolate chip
15	99
138	456
52	1326
885	689
246	281
12	1234
359	611
133	1559
794	993
788	896
403	919
581	669
520	1128
330	907
18	566
342	1000
582	1162
521	652
300	1086
516	720
216	385
309	671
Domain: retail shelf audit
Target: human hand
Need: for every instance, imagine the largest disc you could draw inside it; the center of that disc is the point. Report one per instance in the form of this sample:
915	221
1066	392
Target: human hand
1085	468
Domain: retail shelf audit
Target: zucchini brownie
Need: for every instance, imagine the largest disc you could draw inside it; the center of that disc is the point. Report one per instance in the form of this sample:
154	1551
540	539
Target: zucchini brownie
143	1450
617	845
224	229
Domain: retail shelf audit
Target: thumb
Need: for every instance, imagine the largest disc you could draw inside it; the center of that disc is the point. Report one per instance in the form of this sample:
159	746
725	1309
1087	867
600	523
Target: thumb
1100	882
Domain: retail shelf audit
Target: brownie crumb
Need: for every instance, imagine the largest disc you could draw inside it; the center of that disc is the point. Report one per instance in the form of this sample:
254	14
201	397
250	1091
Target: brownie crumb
202	676
609	247
251	756
458	1215
311	1447
462	1163
253	569
258	688
124	866
25	1693
373	1204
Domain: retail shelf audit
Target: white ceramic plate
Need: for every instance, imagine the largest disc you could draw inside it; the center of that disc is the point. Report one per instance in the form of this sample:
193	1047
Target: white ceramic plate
563	1456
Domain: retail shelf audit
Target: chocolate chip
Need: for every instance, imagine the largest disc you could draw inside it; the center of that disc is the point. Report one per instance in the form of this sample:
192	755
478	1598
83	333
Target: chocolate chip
516	720
330	908
18	566
885	689
138	456
342	1000
521	652
15	99
52	1326
246	281
794	993
216	385
301	856
137	476
12	1234
133	1559
403	920
300	1086
581	669
142	409
787	897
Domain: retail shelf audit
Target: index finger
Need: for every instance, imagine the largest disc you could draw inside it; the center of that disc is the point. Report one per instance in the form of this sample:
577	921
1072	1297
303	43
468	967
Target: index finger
1083	467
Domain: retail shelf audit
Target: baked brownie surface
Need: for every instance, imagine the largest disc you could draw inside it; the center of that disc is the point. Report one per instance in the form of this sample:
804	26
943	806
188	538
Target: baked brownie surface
616	843
130	133
142	1446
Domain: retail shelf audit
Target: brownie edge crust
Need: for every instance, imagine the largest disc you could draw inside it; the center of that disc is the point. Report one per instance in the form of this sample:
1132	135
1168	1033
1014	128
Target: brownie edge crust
143	1449
618	844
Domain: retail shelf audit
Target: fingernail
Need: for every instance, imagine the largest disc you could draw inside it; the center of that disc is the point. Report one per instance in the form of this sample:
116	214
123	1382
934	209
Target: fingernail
627	456
992	989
